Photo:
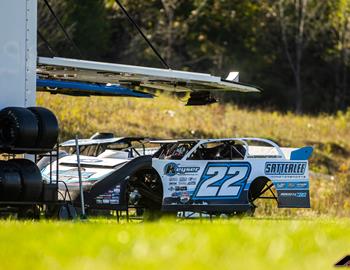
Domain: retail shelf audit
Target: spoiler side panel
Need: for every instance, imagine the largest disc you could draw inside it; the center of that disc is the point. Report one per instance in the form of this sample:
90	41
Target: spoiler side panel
303	153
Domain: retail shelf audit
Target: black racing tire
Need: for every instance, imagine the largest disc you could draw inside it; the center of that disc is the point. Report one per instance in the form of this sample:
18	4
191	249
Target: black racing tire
29	212
18	128
52	211
47	127
32	184
148	183
10	182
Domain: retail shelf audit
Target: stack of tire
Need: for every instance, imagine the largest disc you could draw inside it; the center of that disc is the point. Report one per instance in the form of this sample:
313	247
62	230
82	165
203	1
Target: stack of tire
30	130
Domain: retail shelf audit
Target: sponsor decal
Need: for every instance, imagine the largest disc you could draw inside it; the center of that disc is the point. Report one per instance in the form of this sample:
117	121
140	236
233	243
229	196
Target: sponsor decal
185	197
292	185
176	194
177	188
72	174
88	160
293	194
114	201
285	168
109	197
172	169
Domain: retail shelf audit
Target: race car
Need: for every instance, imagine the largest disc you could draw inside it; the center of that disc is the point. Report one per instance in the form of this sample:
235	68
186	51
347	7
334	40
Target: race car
228	175
104	143
213	176
99	157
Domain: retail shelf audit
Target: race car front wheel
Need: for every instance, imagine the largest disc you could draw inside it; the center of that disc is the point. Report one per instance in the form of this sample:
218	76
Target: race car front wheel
149	185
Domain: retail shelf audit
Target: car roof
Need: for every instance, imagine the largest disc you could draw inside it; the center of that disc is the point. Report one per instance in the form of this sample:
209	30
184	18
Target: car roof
82	142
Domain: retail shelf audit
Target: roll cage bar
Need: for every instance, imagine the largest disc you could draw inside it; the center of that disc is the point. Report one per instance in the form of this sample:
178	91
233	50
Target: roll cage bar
103	143
244	141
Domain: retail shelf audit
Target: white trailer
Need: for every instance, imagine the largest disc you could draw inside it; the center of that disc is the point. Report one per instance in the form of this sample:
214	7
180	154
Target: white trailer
18	52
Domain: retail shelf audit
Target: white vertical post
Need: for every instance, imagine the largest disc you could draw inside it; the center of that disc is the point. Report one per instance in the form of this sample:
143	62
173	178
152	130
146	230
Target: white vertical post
82	201
18	52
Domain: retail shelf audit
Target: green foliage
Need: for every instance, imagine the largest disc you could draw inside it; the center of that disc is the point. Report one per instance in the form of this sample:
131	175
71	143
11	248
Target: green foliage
86	23
92	28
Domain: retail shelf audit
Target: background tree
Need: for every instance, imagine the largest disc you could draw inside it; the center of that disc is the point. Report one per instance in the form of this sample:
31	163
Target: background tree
299	21
338	55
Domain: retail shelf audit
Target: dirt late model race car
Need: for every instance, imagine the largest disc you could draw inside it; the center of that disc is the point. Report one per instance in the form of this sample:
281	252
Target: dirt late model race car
228	175
196	175
97	155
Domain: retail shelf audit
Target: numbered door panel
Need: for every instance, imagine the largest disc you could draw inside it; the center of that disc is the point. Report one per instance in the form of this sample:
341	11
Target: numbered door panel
222	181
198	182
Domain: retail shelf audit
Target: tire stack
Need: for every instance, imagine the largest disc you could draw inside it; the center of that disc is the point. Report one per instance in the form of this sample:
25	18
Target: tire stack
30	130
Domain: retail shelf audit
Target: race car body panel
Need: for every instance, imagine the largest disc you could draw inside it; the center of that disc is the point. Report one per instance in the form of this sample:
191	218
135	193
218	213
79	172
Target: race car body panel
105	164
93	169
208	176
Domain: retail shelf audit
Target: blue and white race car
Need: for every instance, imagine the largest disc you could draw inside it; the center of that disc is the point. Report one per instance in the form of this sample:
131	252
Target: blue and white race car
228	175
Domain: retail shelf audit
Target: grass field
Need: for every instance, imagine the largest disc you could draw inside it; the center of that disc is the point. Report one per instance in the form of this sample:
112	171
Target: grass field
262	243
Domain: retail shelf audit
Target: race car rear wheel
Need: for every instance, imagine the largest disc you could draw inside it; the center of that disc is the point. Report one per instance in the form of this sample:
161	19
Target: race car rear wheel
256	188
263	191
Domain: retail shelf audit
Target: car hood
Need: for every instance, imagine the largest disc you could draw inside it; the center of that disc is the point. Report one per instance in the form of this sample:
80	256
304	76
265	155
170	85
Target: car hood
92	169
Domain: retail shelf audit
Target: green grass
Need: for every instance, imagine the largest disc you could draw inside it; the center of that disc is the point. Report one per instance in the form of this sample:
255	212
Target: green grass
223	244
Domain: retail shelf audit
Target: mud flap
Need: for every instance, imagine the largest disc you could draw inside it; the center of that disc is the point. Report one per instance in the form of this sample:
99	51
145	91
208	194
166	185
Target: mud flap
110	192
293	198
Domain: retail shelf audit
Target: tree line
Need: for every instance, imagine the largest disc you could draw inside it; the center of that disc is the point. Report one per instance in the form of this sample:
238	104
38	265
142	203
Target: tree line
297	51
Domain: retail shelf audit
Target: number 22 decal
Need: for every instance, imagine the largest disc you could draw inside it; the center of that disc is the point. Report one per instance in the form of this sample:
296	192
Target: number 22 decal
222	180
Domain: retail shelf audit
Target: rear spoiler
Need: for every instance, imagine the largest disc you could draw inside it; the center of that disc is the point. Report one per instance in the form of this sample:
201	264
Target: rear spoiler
302	153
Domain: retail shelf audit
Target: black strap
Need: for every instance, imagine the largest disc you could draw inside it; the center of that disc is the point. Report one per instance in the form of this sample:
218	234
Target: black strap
142	34
63	29
47	44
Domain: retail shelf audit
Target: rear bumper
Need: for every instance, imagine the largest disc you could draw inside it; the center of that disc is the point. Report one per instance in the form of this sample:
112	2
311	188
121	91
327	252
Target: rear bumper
206	208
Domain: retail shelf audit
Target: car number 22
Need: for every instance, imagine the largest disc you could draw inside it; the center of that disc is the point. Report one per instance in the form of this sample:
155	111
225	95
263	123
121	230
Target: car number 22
222	180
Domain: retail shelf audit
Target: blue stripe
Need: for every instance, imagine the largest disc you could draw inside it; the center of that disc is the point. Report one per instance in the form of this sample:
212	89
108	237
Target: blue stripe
90	89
